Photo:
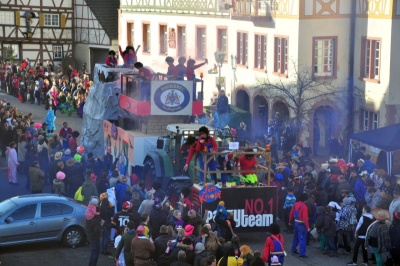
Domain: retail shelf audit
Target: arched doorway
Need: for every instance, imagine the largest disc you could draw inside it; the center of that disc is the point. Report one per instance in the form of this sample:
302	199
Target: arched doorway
260	116
243	100
282	109
324	121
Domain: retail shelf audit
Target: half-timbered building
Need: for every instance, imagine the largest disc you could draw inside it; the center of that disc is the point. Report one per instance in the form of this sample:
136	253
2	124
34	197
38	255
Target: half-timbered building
58	30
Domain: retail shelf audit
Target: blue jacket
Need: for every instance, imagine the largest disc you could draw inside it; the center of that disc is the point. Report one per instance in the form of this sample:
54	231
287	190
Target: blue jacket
369	166
360	188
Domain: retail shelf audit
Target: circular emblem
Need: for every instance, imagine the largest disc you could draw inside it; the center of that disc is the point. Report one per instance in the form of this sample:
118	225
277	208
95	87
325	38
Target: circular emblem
171	97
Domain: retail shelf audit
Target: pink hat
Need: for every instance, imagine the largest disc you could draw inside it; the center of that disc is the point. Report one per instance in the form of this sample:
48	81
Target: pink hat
189	230
38	125
60	175
93	176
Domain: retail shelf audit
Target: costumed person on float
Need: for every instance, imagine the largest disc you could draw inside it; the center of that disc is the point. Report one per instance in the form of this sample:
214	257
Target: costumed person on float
247	165
206	143
129	55
111	60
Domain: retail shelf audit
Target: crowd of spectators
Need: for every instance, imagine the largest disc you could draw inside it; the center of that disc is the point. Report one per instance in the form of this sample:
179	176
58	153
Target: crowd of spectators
45	84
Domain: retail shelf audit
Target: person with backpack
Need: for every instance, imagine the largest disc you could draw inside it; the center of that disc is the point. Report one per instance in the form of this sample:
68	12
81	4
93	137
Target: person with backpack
364	222
274	245
377	236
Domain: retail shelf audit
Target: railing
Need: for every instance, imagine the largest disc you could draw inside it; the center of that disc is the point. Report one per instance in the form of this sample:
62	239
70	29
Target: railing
191	6
263	168
251	10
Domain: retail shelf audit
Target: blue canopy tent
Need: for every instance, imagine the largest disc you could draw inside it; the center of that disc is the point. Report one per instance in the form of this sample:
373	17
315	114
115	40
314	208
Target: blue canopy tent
385	138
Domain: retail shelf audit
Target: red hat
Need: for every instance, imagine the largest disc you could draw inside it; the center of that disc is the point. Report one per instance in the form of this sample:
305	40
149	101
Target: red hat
396	215
80	149
134	179
126	205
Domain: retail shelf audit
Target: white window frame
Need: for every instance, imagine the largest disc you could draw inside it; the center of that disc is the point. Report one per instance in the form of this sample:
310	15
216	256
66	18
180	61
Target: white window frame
147	28
222	35
375	121
370	120
7	17
15	48
324	64
132	26
281	55
366	120
51	20
242	48
261	51
58	52
163	39
201	33
372	58
181	41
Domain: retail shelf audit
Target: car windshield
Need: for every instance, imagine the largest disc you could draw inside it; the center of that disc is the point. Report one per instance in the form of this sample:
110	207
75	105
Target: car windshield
6	206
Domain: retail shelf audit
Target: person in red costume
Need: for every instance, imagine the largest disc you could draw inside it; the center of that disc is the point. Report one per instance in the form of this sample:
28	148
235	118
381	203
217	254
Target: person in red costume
299	215
274	245
172	72
145	79
129	55
190	75
188	148
206	143
111	61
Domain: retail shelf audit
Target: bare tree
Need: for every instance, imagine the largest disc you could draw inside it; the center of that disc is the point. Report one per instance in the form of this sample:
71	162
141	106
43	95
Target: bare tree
301	90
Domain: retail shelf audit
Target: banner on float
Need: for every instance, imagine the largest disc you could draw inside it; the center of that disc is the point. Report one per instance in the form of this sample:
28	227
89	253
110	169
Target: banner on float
171	98
254	208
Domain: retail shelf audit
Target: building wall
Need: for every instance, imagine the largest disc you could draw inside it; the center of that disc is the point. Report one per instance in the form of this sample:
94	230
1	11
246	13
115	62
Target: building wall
88	34
39	42
299	21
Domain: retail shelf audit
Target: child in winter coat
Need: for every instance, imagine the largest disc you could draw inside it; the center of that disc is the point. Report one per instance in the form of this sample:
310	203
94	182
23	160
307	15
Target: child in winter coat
287	206
221	208
319	224
58	184
330	230
91	210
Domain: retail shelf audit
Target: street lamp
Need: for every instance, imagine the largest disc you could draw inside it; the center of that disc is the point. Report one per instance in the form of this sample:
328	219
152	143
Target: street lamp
233	65
220	59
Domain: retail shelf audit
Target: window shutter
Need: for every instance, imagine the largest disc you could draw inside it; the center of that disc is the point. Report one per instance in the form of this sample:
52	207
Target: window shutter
63	21
41	20
17	18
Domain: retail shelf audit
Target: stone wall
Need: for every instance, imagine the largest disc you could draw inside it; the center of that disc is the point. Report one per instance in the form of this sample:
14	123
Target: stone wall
156	124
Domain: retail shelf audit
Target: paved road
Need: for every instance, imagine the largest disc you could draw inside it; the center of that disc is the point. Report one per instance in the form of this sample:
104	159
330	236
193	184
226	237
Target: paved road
56	254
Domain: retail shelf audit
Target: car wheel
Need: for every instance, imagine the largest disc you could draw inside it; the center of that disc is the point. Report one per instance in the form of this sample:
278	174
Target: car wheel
73	237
